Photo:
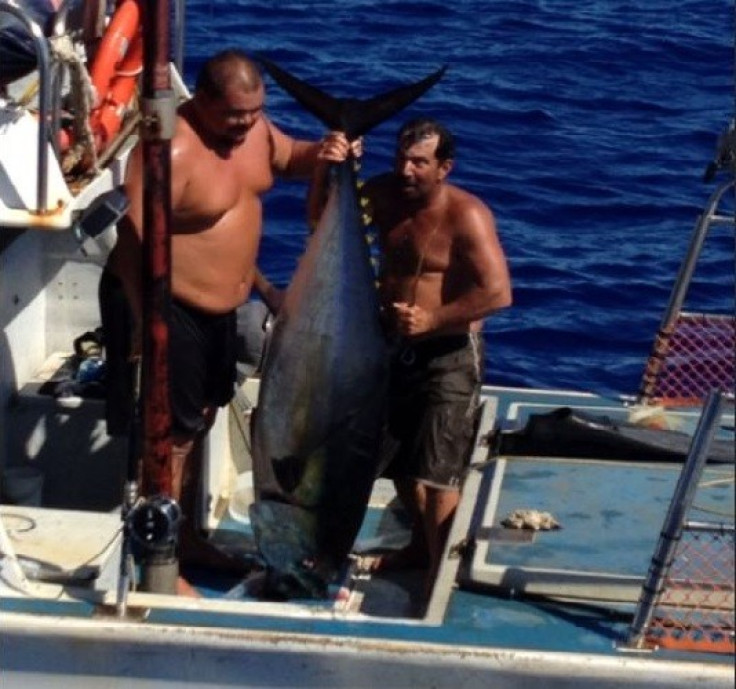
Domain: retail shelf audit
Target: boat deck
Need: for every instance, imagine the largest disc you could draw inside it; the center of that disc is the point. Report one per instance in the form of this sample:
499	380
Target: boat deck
547	593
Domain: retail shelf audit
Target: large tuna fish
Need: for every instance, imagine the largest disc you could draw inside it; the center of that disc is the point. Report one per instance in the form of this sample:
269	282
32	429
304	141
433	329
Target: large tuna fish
320	408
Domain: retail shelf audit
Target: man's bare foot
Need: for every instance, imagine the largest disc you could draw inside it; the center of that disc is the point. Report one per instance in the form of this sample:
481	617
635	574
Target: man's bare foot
184	588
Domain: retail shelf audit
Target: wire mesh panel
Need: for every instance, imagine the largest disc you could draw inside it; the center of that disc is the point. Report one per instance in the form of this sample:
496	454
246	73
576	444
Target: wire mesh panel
687	599
695	608
695	356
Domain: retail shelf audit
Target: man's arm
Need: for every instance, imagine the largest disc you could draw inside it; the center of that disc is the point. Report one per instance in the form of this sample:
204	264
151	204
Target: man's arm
317	195
335	149
271	295
125	260
297	158
293	158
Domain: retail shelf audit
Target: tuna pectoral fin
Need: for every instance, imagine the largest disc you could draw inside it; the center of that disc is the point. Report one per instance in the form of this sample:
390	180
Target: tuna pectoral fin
354	116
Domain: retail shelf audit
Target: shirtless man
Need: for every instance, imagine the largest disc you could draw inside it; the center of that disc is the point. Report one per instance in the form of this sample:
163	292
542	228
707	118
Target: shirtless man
225	154
442	271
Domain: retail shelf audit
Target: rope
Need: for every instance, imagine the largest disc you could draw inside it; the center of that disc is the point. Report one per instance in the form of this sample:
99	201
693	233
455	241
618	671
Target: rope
82	95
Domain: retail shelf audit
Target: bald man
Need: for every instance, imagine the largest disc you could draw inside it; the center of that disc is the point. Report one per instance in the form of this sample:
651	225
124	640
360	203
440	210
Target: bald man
225	154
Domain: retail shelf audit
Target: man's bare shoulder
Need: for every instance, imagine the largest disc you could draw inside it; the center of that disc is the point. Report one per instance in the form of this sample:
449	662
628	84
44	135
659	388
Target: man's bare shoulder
461	198
265	135
186	141
461	202
469	215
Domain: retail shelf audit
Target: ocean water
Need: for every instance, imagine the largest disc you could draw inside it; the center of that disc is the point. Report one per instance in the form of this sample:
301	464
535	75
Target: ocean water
585	126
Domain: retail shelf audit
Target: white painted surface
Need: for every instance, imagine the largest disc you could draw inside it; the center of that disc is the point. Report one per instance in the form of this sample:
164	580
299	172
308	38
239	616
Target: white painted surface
117	655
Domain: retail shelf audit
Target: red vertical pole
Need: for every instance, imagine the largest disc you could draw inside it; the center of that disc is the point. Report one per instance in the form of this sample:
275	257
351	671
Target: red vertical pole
157	130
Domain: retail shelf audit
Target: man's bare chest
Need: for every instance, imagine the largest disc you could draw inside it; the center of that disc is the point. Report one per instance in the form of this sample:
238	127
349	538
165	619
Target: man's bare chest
248	167
418	245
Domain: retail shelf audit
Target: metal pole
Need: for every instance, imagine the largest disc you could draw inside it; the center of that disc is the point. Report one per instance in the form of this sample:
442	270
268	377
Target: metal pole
157	130
131	494
179	30
696	244
677	297
160	564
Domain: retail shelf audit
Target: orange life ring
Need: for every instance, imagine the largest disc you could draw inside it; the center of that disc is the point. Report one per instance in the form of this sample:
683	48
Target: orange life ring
115	70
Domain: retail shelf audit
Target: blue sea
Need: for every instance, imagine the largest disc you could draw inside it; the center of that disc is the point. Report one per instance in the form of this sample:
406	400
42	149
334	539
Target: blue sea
585	126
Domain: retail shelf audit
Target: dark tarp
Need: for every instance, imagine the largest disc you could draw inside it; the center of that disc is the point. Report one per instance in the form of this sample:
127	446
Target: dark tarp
17	52
566	432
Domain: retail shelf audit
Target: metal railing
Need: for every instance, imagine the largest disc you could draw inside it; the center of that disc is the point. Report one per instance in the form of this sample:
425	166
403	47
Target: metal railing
676	601
689	387
46	111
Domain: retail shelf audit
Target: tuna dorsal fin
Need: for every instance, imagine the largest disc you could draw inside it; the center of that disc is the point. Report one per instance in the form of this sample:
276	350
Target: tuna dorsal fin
354	116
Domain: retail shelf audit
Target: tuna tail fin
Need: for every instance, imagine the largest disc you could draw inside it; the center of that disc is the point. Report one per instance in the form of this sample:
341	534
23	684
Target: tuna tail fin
353	116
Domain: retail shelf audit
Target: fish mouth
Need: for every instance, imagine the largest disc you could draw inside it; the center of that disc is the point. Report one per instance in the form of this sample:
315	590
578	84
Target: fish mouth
299	582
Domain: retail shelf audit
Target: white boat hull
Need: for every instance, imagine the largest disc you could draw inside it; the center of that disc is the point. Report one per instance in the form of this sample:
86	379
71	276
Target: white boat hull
60	653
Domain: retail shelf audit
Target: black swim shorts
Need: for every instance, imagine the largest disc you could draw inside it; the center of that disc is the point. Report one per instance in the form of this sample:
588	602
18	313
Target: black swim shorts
117	325
433	407
202	358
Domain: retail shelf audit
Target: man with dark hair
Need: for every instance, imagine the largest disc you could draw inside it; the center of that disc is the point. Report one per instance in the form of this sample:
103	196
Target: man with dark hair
443	270
414	131
225	154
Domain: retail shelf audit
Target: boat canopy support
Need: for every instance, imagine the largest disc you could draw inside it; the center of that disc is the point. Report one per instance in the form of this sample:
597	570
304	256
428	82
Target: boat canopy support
690	337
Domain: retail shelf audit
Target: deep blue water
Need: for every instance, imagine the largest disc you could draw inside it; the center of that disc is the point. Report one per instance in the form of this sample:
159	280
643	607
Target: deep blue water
586	126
